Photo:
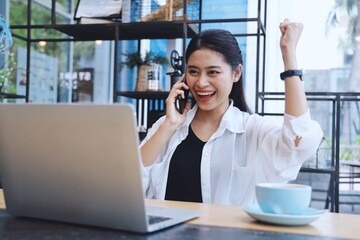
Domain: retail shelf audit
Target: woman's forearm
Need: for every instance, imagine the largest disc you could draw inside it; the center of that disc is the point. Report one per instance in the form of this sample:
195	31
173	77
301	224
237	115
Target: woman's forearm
153	147
295	98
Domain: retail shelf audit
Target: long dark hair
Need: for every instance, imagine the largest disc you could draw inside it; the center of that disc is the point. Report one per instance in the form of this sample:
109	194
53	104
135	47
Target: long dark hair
223	42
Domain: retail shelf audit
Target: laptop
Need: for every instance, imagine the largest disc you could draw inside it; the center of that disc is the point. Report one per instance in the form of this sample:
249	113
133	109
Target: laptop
78	164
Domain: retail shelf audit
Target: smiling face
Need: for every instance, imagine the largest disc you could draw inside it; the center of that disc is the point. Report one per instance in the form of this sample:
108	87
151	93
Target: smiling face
210	79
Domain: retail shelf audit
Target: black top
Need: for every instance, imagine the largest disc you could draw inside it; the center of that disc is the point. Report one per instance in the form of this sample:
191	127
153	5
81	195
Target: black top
184	182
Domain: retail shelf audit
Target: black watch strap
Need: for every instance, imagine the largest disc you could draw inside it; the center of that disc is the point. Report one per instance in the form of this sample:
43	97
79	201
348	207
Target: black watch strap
290	73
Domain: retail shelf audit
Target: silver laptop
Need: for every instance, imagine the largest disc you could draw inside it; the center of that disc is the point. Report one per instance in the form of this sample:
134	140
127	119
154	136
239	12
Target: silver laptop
77	164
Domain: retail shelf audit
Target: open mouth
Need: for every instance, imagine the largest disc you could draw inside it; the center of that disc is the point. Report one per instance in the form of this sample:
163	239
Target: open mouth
204	95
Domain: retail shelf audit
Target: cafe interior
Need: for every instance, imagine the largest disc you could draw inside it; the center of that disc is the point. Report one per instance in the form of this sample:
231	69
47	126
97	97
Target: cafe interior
131	53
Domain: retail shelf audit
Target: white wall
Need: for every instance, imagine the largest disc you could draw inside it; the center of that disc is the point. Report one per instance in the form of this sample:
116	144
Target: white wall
316	49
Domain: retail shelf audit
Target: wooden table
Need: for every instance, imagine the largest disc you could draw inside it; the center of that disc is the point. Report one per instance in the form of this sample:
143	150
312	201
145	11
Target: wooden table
332	225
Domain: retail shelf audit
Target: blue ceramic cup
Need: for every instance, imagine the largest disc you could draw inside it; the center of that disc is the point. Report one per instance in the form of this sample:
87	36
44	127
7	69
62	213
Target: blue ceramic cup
283	198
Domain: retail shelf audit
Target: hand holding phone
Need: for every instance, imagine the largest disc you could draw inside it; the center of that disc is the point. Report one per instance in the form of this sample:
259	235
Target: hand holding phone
181	102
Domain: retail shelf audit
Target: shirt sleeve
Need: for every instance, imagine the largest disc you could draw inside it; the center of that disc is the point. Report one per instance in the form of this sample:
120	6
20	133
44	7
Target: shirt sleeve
305	128
284	148
145	171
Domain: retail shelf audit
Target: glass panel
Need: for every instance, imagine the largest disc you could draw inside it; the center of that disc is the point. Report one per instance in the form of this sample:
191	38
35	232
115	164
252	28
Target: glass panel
211	9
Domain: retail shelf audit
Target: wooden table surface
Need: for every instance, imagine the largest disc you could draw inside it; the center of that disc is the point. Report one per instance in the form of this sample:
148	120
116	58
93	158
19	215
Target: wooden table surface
329	225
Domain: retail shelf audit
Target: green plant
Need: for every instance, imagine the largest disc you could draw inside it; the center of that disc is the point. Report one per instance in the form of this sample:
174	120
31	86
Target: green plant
5	73
135	59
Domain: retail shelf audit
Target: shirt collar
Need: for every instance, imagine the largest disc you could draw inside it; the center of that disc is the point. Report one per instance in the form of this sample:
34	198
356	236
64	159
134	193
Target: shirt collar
233	119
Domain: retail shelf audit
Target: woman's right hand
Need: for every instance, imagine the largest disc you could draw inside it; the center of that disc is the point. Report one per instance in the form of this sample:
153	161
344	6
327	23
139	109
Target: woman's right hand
173	117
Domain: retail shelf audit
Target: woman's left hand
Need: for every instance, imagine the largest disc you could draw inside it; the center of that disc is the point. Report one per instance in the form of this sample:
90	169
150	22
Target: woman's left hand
290	35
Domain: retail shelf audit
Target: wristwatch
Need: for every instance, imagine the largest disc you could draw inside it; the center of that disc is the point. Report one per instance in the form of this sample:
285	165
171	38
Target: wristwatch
290	73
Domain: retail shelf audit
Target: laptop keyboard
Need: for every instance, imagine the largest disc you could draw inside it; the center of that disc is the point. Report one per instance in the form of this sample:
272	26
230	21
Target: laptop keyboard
156	219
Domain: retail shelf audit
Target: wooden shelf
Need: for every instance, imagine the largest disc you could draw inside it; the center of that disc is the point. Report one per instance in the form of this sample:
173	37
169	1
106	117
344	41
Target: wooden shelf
145	95
126	31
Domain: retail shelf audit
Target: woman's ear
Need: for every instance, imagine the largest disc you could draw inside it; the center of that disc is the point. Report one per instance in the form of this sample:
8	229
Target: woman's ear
238	72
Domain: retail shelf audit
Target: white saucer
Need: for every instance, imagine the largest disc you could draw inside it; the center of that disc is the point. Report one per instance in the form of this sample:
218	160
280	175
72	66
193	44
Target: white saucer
310	215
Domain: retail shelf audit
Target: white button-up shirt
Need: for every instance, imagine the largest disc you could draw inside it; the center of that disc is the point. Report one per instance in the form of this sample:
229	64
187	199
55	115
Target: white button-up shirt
245	150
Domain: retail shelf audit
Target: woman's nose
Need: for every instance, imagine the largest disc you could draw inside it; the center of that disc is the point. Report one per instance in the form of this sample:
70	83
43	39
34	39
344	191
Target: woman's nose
202	81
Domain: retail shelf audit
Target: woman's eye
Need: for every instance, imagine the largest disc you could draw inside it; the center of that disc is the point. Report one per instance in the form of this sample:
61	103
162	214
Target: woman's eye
193	72
213	72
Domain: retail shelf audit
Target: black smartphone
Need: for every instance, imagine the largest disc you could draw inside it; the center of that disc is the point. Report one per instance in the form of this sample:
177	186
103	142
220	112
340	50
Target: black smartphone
181	102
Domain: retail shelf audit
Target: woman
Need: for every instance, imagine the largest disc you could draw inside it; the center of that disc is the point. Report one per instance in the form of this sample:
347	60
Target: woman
217	151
